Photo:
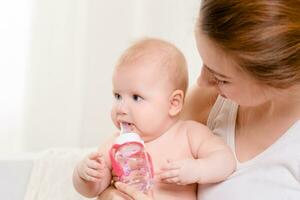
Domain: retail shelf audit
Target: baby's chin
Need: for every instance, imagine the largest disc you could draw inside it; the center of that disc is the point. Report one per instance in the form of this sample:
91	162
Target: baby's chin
144	136
149	137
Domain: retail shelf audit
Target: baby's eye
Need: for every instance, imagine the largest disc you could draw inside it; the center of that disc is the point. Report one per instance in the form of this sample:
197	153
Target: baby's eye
137	97
117	96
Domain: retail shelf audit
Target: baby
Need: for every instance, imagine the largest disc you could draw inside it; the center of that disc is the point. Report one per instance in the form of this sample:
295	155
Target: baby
149	85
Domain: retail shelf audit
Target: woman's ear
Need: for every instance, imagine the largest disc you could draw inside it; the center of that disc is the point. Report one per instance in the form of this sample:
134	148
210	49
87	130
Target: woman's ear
176	102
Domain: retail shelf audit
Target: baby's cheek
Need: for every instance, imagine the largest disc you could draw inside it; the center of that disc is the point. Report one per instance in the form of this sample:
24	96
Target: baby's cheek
113	117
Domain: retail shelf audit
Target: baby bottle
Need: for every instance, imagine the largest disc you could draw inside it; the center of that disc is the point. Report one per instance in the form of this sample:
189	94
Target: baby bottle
130	162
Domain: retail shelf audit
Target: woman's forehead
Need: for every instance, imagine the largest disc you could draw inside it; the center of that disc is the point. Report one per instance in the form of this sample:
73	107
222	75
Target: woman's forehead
214	58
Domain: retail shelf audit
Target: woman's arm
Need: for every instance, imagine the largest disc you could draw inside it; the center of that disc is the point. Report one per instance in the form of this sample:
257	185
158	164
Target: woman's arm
112	193
124	192
132	192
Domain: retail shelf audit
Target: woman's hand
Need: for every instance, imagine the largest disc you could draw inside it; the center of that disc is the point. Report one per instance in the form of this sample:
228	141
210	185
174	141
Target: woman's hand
132	192
112	193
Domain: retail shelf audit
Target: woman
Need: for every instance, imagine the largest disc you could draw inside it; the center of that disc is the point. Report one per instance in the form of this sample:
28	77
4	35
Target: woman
251	57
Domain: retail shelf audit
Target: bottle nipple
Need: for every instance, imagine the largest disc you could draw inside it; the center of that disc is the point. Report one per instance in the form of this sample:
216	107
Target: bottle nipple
125	128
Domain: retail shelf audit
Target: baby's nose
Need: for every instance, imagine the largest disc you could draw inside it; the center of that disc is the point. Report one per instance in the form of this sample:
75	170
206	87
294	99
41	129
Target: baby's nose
122	108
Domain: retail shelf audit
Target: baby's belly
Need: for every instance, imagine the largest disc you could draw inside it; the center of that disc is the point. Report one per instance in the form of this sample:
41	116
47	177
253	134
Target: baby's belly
173	192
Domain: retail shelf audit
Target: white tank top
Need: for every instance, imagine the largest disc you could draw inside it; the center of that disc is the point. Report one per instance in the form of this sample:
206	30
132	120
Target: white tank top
274	174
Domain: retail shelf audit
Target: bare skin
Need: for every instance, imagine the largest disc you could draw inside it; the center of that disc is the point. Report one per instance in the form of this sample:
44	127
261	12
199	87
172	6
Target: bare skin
272	110
151	105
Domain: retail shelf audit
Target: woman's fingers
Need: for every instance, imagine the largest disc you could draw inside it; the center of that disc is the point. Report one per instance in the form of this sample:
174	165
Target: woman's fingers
132	192
114	176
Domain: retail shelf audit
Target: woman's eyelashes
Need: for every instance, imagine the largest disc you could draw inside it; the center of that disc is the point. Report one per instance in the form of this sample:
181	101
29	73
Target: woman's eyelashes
220	82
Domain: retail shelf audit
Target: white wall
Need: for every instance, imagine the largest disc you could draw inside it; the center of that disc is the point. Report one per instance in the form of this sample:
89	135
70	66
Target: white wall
56	74
15	23
118	24
74	46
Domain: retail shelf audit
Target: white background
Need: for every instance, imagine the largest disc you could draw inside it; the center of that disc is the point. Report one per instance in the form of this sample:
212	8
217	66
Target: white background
56	61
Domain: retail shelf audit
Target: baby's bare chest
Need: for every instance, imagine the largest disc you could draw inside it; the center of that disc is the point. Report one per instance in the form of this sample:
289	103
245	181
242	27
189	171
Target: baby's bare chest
164	149
170	149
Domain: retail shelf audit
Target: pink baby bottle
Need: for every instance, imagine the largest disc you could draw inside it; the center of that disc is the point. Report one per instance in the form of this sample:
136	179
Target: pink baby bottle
130	161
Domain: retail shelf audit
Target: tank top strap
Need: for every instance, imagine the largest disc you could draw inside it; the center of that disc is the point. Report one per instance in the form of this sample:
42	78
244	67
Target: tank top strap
222	118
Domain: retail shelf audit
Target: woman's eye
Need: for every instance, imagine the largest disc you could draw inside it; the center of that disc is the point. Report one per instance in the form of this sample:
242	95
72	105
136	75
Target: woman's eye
136	97
117	96
221	82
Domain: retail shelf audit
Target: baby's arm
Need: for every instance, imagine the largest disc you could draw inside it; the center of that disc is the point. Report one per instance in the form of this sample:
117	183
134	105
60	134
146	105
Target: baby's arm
214	161
92	175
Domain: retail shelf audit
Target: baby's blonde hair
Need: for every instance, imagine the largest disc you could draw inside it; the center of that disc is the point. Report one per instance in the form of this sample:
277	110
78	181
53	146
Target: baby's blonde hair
164	54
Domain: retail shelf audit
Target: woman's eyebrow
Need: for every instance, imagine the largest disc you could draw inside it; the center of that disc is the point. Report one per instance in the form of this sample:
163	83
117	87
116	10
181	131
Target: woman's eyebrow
217	73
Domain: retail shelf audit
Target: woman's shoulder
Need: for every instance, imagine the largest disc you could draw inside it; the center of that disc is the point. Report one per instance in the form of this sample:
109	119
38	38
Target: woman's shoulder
198	103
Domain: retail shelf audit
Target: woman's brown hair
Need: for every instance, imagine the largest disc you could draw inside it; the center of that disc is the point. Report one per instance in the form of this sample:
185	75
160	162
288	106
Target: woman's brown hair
263	36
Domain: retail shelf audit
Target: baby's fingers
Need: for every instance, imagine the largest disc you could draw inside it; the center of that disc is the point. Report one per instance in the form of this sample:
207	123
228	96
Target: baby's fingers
173	180
92	179
95	165
86	175
170	165
94	173
95	155
169	174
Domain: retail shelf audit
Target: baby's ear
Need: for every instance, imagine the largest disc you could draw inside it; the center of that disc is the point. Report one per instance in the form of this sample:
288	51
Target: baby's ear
176	102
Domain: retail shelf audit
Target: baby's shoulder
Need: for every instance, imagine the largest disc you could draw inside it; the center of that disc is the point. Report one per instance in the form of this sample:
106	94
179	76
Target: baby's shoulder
196	131
194	126
196	134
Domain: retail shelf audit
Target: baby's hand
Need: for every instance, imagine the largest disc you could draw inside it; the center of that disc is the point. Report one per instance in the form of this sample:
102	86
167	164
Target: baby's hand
180	172
91	168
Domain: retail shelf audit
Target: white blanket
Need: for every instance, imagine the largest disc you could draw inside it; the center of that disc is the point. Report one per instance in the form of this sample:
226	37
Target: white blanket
51	176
